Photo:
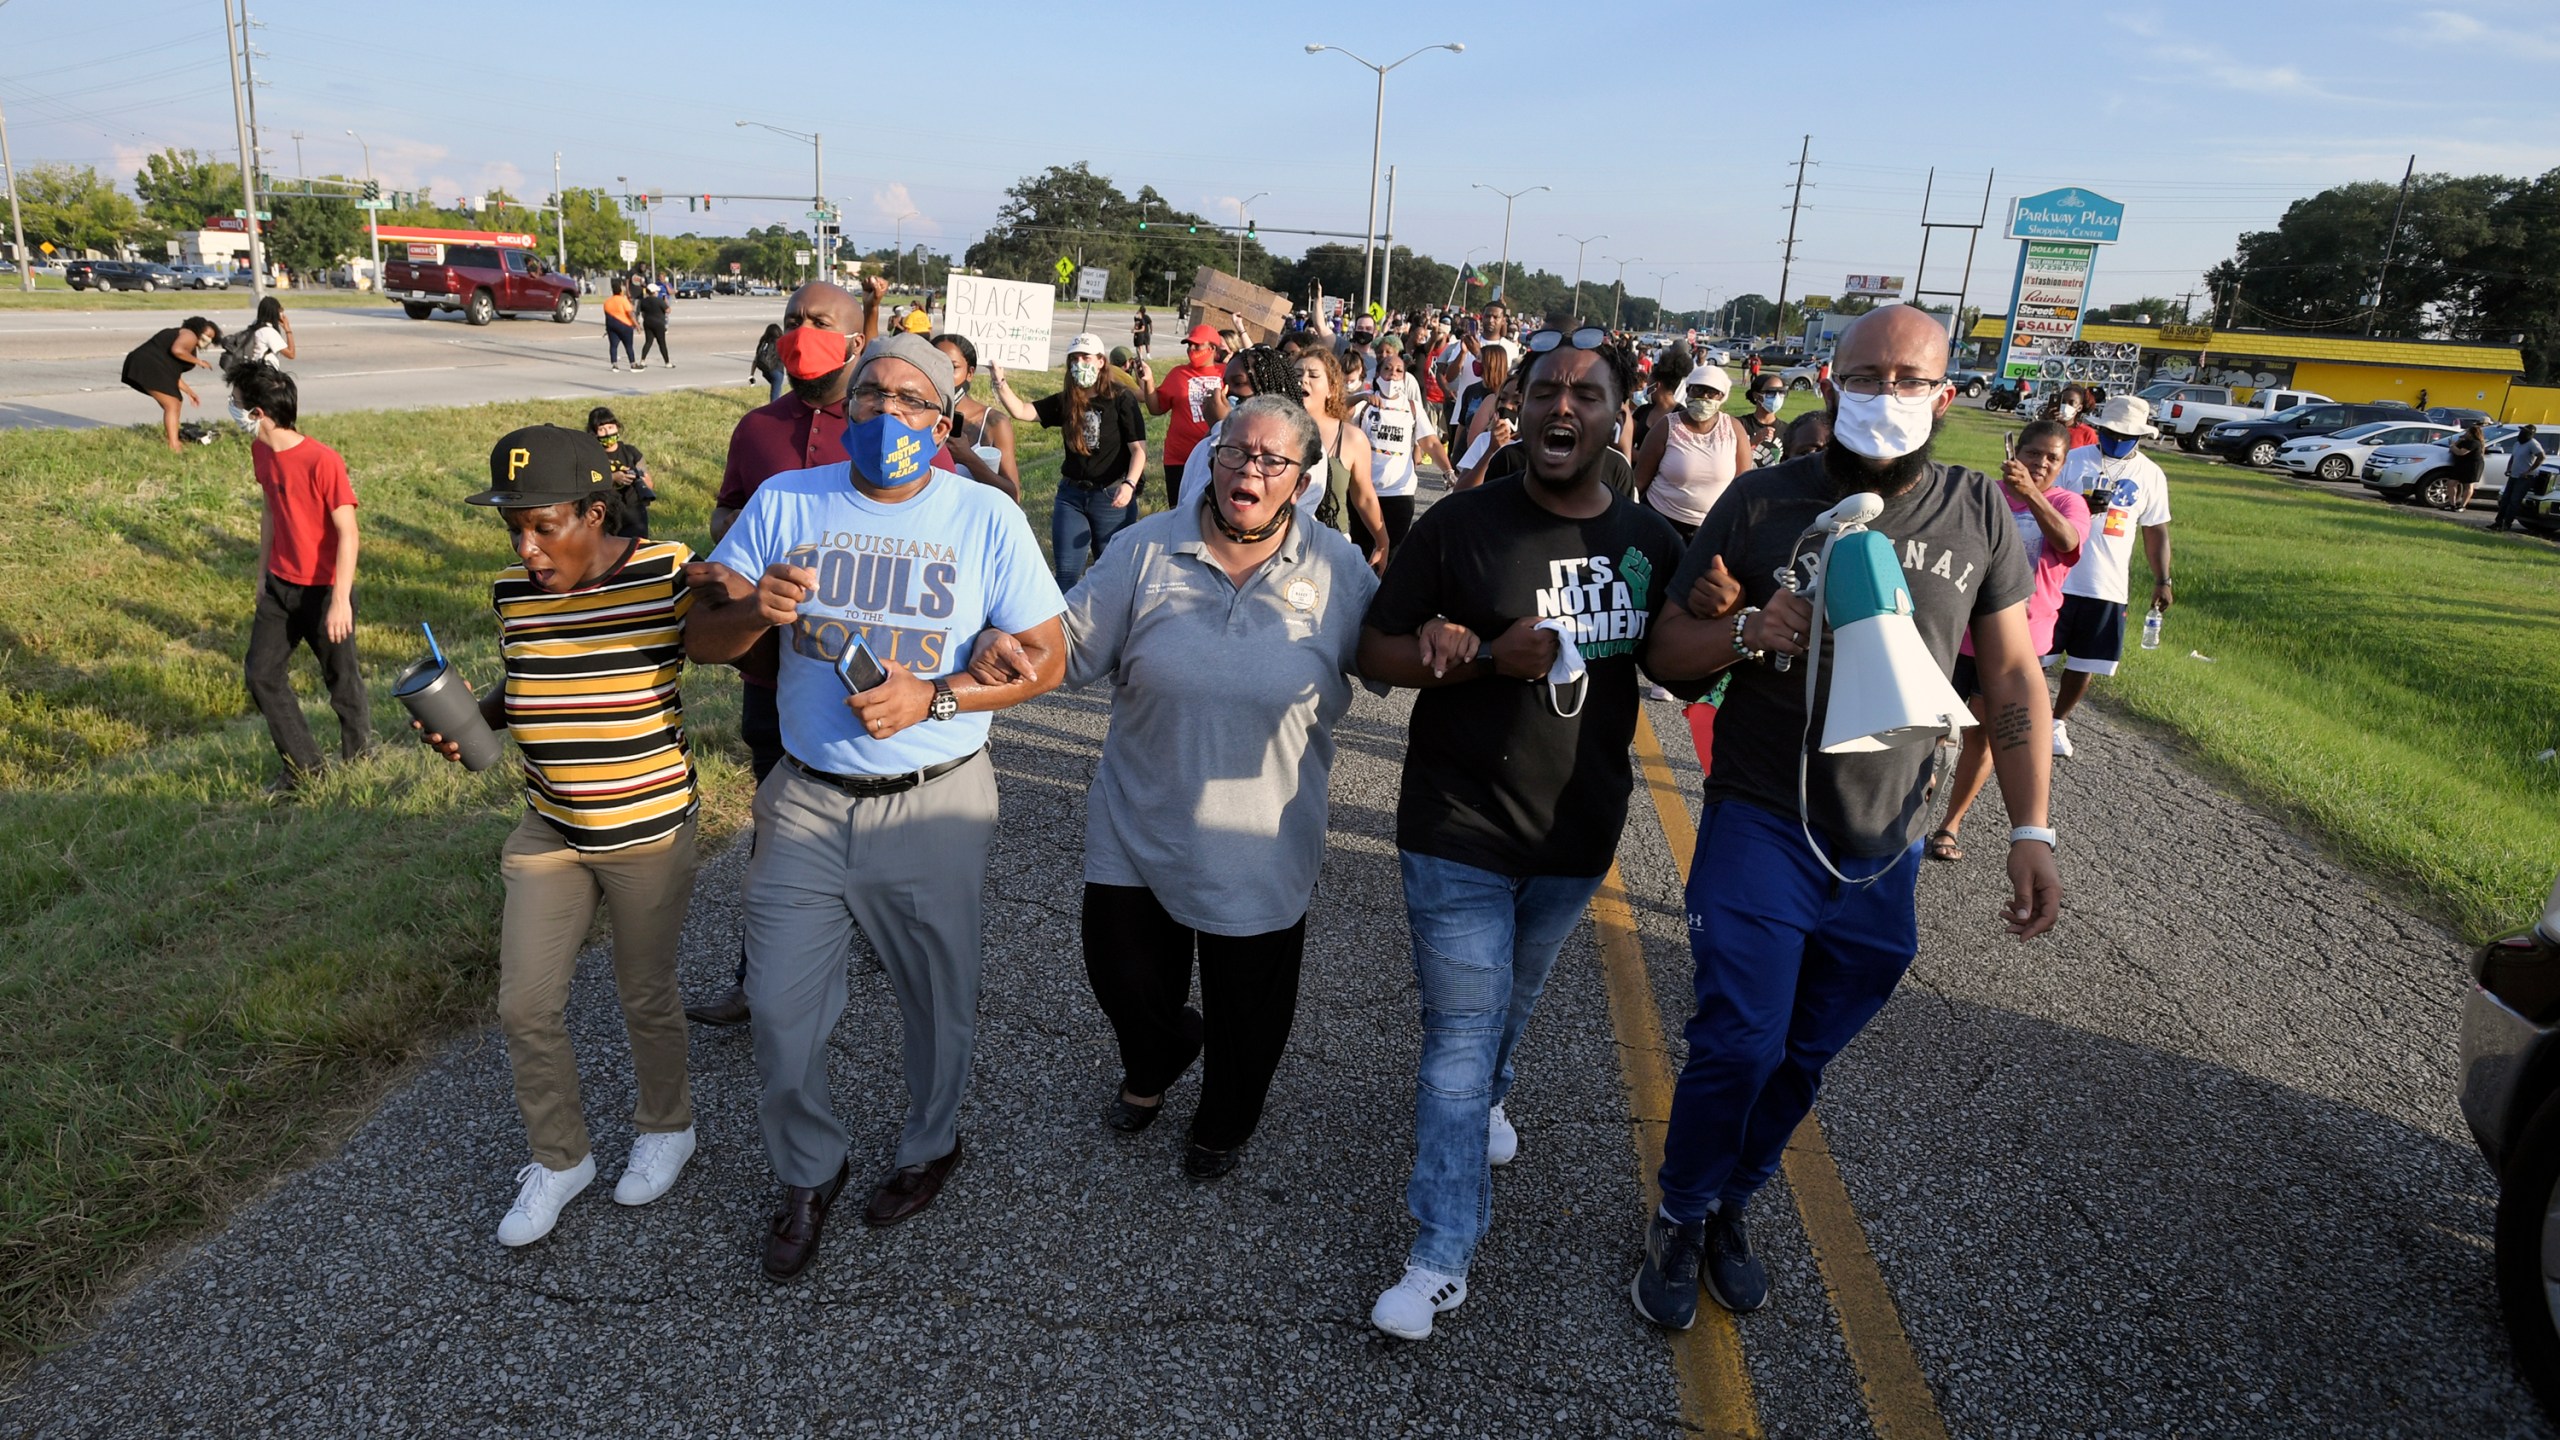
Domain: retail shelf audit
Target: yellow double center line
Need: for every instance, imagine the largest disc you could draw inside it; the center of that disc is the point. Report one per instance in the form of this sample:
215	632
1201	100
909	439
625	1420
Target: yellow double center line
1715	1383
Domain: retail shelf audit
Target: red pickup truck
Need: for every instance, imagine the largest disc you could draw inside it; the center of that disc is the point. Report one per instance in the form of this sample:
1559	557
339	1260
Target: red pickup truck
483	282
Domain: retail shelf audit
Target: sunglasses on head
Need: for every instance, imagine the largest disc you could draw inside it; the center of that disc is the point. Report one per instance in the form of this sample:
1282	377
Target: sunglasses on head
1589	337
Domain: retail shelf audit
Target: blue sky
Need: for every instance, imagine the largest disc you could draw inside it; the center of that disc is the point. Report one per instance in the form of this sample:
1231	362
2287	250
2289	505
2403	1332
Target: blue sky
2204	119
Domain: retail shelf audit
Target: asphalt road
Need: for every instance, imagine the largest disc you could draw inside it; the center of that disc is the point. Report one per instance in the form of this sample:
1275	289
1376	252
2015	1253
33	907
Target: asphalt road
2191	1166
58	369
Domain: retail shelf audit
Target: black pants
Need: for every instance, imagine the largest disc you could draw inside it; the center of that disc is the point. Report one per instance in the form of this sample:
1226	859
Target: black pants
655	335
1138	959
1173	482
760	725
290	615
1397	512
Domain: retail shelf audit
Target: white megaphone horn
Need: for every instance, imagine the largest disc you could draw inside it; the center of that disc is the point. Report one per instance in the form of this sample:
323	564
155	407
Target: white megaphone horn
1886	689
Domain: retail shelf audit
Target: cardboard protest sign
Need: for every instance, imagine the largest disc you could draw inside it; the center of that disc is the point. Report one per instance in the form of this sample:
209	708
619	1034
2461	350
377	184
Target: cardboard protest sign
1215	295
1009	321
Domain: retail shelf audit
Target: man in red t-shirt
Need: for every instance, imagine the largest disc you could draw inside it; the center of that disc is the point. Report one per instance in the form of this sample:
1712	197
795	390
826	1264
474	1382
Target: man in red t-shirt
306	579
822	337
1185	394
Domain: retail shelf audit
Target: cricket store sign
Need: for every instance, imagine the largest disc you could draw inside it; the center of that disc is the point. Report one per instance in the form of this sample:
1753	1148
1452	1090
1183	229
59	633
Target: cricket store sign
2058	235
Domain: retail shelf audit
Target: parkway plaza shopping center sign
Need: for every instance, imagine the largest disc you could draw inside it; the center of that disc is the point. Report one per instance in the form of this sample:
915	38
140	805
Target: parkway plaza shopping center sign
2058	235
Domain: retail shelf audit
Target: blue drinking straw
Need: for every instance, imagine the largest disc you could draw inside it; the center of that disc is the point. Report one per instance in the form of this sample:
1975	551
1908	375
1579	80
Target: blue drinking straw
432	647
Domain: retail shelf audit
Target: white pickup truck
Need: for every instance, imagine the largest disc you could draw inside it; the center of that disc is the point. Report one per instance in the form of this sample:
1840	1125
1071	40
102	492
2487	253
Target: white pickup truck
2190	412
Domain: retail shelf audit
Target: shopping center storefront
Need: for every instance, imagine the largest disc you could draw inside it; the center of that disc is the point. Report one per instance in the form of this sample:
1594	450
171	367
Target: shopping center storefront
2443	372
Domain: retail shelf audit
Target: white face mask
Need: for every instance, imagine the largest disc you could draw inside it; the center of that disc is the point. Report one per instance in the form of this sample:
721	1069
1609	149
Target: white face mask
1699	411
1883	427
2068	413
1083	372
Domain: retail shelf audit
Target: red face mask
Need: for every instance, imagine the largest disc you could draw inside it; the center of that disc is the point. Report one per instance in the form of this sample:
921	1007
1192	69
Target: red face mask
809	353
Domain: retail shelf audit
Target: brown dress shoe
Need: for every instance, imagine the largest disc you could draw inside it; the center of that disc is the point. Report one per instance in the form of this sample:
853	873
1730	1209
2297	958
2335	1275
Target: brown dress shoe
792	1241
909	1189
729	1009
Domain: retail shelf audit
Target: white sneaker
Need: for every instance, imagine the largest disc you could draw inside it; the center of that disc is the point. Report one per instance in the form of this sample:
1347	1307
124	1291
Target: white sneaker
1405	1311
537	1206
2061	739
616	368
1656	692
656	1161
1501	1142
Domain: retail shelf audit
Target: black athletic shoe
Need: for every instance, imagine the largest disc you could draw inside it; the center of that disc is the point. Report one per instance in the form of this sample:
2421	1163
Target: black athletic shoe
1666	1286
1732	1273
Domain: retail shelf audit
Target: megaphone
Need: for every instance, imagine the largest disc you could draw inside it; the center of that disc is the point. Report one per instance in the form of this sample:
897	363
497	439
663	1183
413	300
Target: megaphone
1886	689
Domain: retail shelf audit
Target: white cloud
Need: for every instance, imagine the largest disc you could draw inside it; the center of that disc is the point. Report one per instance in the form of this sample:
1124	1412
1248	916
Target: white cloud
2448	28
891	202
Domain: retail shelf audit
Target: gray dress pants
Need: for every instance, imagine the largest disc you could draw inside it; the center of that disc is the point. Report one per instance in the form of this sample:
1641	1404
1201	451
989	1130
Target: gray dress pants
910	869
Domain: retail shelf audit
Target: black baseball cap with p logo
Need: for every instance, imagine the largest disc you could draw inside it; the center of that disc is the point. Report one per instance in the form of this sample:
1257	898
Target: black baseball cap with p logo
545	465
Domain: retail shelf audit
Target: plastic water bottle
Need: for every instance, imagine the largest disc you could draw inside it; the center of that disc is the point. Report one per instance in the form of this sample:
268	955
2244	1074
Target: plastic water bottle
2151	629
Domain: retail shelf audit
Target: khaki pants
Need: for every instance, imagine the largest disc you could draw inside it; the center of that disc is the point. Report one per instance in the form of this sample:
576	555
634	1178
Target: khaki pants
552	891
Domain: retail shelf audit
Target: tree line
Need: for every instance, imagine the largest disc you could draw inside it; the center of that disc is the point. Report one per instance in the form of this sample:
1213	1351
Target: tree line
2474	257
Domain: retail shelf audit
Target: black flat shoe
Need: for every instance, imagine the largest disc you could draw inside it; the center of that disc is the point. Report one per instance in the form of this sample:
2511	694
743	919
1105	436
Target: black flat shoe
1129	1119
1202	1163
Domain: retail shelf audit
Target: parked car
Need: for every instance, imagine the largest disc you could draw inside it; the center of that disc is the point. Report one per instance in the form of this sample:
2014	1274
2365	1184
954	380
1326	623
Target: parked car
483	282
760	287
692	288
2341	456
2424	472
2192	413
2259	441
2511	1100
118	275
201	277
1971	384
2455	415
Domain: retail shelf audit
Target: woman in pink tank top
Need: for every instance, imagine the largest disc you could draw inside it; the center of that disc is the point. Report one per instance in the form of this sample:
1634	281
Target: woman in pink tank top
1689	458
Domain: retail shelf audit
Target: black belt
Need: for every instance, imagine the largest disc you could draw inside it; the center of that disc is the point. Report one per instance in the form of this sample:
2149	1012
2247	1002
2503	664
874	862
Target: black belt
861	786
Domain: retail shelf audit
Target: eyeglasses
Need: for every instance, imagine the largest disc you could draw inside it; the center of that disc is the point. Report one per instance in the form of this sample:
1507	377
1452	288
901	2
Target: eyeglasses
892	400
1236	457
1908	388
1589	337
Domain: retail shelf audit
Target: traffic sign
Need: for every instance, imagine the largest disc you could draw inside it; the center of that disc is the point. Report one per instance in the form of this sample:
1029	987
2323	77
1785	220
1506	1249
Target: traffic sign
799	257
1092	282
827	214
243	215
630	251
1066	269
733	266
373	204
46	246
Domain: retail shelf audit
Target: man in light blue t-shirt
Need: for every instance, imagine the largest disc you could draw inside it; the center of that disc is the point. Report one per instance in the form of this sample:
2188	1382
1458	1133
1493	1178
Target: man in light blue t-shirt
881	814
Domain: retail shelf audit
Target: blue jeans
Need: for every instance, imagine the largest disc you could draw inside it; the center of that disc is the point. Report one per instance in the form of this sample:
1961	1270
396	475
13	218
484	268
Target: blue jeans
617	343
1791	965
1081	522
1482	946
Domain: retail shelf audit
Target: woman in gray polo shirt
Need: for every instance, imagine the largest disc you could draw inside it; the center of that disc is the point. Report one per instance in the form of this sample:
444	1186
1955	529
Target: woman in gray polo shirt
1227	630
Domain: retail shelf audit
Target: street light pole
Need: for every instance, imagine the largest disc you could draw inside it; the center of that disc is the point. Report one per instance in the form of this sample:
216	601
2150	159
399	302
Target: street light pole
817	144
1377	152
899	231
17	227
1241	223
1661	288
1502	286
1618	299
373	218
234	36
1578	247
559	218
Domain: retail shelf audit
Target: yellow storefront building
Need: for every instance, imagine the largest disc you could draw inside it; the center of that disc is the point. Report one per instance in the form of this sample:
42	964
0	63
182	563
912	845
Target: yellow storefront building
2462	373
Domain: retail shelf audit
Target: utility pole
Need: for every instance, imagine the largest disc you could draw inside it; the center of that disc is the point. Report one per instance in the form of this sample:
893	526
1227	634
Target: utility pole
1387	261
17	226
1786	265
559	218
235	36
301	173
1619	298
2373	316
1502	286
2187	307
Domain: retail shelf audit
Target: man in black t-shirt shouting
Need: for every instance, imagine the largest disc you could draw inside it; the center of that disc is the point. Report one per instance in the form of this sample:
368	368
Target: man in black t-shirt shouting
1801	924
1516	776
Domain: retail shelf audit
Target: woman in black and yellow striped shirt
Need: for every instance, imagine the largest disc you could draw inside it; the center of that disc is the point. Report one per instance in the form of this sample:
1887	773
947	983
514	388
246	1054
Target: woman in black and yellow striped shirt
592	625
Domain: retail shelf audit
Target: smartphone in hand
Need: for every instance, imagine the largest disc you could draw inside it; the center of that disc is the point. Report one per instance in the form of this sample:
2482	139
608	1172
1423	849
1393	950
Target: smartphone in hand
858	668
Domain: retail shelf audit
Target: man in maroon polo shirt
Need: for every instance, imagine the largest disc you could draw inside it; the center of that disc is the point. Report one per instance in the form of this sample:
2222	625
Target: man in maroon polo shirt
823	330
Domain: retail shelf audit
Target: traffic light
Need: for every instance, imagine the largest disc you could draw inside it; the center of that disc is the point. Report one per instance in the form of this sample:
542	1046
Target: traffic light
373	189
1195	229
1142	224
706	204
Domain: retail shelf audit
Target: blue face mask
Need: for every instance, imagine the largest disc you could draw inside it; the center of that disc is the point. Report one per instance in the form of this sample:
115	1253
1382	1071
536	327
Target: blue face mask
888	451
2116	447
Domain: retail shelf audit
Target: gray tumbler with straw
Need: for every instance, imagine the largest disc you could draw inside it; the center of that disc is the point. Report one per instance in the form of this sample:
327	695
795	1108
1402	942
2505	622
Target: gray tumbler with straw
441	700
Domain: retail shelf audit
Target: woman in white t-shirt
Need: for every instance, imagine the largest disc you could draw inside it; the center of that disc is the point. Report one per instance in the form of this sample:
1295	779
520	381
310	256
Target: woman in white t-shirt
268	339
1690	458
1397	426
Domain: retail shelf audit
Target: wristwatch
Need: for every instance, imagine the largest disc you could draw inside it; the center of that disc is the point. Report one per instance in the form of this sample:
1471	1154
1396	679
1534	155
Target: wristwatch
945	704
2034	832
